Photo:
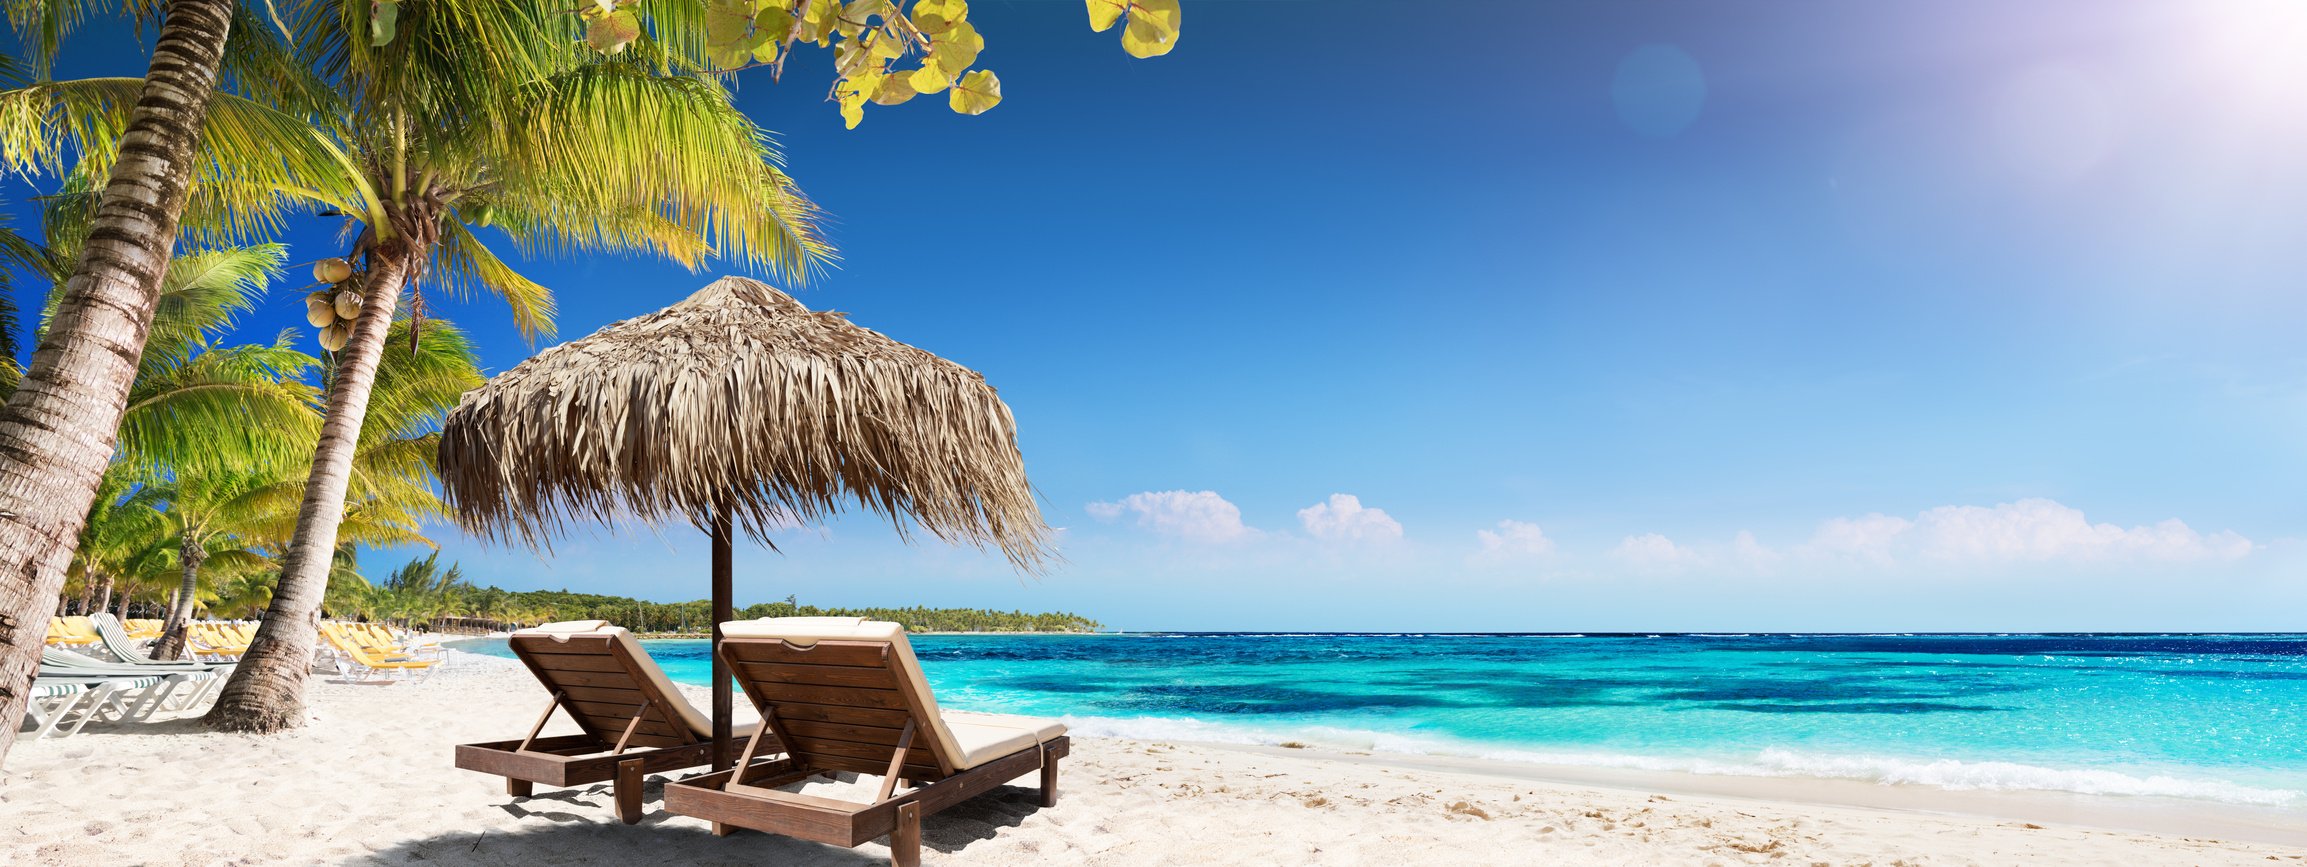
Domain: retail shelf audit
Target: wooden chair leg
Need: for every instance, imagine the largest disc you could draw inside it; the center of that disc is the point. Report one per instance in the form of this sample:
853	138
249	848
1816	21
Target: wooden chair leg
723	829
1048	781
629	791
518	788
905	840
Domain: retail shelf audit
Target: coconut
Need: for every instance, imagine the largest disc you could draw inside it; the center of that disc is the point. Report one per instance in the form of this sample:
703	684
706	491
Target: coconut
333	337
331	270
347	304
320	313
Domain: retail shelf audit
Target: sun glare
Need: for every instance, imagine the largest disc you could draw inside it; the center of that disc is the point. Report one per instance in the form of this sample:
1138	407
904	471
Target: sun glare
2253	59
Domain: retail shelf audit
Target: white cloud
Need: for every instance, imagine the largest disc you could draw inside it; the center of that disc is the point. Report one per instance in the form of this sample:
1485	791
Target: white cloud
2028	531
1344	518
1656	553
1514	540
1868	538
1200	516
1747	551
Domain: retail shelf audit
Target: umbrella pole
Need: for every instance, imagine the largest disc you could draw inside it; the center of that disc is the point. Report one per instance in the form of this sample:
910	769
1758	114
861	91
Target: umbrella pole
722	613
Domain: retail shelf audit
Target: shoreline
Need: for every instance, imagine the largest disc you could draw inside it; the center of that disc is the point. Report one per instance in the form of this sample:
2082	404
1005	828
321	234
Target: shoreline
370	779
2117	813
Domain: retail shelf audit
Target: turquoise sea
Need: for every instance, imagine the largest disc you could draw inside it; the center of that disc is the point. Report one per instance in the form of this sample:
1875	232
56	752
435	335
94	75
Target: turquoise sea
2210	717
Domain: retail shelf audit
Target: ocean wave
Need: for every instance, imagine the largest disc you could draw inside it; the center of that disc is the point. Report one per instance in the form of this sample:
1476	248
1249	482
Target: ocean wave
1771	762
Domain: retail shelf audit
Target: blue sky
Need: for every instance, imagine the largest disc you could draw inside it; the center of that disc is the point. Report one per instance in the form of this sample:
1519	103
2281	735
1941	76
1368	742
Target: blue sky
1795	315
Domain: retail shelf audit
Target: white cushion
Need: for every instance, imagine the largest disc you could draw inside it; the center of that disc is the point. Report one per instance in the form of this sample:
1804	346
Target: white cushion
805	631
567	627
1043	729
984	737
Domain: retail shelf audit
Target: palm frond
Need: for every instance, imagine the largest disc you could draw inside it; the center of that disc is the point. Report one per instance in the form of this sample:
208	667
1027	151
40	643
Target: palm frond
256	162
466	264
203	293
261	65
594	145
237	406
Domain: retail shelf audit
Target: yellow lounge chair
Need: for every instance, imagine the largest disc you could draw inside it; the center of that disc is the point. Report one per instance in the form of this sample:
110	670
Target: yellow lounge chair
214	642
380	638
73	632
360	663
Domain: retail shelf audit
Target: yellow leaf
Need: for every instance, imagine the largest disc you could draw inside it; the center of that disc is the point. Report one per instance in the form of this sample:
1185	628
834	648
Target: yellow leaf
888	44
731	58
773	23
726	23
610	33
818	18
847	56
929	79
894	89
1103	13
767	49
859	14
976	92
933	16
957	48
863	83
1153	28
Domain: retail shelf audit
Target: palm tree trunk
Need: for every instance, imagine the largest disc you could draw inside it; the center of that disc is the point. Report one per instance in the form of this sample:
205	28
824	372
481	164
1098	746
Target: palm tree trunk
57	430
190	553
105	602
266	692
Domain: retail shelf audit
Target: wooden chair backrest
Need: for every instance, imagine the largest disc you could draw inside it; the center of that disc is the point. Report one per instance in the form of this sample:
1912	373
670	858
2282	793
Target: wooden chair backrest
602	686
837	705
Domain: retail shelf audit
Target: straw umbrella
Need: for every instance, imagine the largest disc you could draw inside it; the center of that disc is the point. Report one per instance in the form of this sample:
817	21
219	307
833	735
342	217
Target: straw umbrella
738	409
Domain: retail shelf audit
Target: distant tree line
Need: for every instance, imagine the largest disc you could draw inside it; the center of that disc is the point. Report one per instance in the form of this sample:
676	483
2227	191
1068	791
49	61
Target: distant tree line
513	608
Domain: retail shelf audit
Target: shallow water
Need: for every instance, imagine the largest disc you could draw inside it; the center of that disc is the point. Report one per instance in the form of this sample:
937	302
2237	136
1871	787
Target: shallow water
2194	716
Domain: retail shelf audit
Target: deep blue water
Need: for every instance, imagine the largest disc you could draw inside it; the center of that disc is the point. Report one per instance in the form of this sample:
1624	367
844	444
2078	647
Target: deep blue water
2198	716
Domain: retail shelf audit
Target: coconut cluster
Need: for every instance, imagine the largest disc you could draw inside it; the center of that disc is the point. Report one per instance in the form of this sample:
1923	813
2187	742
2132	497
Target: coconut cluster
333	310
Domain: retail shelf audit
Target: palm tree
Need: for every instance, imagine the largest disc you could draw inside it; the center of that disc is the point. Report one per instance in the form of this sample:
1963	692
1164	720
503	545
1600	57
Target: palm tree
120	528
494	113
209	514
56	428
203	419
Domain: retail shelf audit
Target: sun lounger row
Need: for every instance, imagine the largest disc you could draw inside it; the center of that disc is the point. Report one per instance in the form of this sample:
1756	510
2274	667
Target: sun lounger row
71	632
362	653
73	688
836	694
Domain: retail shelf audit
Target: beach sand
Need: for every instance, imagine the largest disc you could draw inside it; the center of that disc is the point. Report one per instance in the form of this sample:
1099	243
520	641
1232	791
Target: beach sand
370	781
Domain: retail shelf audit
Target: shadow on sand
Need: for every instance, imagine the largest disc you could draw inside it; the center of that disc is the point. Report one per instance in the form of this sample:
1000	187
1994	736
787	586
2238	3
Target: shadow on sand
576	825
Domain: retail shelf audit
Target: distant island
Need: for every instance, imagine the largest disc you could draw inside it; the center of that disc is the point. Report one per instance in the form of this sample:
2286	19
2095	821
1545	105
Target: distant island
482	607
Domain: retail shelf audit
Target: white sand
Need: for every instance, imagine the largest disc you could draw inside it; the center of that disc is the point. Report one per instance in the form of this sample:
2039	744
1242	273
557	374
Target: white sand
370	780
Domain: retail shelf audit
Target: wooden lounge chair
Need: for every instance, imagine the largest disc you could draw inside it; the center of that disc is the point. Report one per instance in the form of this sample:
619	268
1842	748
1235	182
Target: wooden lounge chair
635	721
845	694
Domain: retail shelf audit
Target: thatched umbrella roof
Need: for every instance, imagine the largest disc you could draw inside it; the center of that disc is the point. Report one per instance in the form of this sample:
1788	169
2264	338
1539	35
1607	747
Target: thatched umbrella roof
739	398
